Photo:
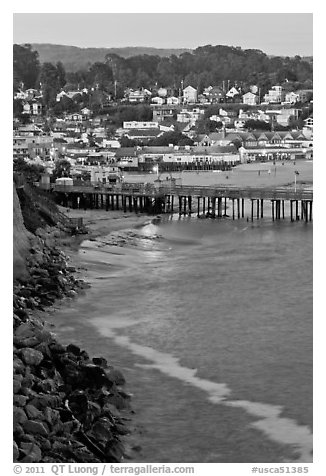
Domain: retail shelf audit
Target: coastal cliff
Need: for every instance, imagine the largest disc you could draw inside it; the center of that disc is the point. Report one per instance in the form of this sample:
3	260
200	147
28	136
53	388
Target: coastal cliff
67	406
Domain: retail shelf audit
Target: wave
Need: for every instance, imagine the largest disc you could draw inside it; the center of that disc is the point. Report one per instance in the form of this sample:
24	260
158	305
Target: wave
271	423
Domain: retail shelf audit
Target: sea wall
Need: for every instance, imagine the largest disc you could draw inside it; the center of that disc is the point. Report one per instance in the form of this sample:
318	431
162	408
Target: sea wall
67	406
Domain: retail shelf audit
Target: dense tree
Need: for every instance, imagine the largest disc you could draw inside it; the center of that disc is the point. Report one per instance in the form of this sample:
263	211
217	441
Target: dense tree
61	74
206	126
61	169
51	79
171	137
126	142
251	125
17	107
31	172
65	105
26	66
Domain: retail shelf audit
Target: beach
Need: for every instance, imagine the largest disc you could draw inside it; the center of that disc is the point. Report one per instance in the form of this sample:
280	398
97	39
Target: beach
258	174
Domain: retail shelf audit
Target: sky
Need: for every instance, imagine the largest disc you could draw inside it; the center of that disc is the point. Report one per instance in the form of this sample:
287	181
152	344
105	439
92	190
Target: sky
285	34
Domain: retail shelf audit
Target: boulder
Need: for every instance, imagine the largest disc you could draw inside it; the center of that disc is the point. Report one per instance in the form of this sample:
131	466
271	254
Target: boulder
15	452
18	365
17	383
20	400
100	361
101	430
115	376
31	356
35	428
33	413
19	416
31	451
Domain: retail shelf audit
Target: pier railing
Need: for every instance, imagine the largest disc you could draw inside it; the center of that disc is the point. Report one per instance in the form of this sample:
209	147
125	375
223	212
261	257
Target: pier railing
157	190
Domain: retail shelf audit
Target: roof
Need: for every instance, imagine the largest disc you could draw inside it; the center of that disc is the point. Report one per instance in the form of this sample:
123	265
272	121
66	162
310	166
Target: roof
143	132
215	149
127	152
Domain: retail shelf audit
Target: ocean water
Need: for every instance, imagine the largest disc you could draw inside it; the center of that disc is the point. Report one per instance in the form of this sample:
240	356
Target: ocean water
211	323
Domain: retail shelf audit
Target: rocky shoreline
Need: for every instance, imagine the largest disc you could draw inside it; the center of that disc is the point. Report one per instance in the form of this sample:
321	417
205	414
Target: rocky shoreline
68	407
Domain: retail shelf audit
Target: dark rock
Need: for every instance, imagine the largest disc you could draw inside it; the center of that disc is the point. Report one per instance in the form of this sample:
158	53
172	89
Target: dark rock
114	452
43	401
78	402
35	428
115	376
33	413
18	365
51	416
15	452
45	349
111	410
96	376
32	356
22	314
100	361
32	453
18	432
45	386
101	430
44	443
74	349
28	342
20	400
19	416
17	383
57	348
121	429
94	409
118	401
84	355
28	381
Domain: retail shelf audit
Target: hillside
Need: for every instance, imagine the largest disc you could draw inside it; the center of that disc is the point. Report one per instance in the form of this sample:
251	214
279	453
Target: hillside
74	58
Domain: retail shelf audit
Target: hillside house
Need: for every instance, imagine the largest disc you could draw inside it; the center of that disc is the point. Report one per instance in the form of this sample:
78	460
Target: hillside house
173	100
158	100
160	113
276	95
232	93
140	125
186	115
138	95
214	94
291	97
250	99
189	95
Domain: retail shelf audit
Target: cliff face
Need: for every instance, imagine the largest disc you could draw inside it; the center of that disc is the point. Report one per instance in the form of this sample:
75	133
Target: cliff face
67	406
21	240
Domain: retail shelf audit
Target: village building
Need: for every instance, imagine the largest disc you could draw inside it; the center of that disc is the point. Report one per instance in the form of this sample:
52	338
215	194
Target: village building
160	113
173	101
188	115
189	95
250	99
275	95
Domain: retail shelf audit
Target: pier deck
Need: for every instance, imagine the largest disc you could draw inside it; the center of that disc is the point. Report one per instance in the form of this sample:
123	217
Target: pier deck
211	201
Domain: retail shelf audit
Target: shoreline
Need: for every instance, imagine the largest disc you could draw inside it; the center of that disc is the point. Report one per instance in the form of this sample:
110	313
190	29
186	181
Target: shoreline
50	378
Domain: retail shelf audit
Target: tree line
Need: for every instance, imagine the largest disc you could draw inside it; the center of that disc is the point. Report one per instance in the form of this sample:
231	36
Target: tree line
207	65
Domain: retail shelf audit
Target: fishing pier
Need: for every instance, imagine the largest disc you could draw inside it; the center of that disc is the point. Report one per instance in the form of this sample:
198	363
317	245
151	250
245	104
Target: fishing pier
203	201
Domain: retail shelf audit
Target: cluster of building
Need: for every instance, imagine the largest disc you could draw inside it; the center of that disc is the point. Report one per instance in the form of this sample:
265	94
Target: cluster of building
105	157
83	138
216	94
33	105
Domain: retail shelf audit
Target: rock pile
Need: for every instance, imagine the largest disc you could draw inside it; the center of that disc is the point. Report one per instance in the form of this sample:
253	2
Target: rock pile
67	406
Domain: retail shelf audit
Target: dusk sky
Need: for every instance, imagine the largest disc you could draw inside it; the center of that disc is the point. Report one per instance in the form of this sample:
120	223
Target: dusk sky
285	34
